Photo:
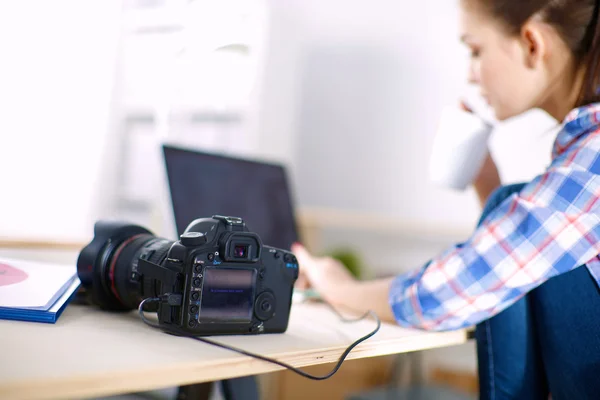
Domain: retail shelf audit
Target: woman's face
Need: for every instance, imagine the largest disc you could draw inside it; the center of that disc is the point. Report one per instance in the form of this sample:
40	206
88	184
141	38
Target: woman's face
500	64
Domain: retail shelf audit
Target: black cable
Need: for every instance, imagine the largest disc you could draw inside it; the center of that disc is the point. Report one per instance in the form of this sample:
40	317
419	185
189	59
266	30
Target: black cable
267	359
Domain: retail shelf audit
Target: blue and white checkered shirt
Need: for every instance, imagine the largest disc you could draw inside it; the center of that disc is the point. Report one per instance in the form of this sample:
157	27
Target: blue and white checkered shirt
548	228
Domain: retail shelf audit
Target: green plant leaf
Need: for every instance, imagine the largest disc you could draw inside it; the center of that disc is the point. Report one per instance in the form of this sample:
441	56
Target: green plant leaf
351	260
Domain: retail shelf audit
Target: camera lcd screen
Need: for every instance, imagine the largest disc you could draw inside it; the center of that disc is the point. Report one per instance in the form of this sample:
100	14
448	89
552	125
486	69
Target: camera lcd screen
227	295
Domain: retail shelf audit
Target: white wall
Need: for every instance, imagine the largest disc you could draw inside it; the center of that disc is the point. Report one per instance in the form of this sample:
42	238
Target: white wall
56	80
358	87
349	98
350	95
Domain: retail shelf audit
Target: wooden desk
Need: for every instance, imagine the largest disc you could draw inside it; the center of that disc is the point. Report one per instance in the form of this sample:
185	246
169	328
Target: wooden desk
311	222
92	353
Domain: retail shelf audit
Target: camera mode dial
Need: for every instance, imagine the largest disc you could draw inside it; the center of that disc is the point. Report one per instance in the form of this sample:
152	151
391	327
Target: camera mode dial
193	239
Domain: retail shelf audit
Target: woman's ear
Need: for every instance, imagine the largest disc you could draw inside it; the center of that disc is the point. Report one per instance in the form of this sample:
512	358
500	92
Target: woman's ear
534	42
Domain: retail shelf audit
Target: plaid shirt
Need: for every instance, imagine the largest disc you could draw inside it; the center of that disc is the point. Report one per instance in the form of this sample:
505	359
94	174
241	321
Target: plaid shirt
548	228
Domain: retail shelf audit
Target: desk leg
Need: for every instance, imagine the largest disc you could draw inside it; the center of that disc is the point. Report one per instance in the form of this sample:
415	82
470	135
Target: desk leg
199	391
244	388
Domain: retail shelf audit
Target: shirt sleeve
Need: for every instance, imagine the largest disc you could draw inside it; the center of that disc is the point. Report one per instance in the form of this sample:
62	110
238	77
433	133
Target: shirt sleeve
550	227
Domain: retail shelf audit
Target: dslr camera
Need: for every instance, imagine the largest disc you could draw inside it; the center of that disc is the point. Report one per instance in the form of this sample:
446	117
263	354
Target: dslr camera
217	279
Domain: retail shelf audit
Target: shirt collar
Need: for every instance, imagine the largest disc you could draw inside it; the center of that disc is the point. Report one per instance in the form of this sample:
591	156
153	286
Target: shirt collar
576	124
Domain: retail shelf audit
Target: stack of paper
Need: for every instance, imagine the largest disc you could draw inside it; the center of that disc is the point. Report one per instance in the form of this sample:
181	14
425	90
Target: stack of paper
35	291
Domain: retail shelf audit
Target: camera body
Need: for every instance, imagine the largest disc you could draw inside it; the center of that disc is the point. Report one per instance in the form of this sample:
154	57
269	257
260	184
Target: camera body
217	279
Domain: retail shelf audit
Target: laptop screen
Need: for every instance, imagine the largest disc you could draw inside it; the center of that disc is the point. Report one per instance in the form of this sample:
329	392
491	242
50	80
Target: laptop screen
204	184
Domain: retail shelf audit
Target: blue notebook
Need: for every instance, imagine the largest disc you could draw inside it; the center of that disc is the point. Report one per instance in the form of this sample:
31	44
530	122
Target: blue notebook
35	291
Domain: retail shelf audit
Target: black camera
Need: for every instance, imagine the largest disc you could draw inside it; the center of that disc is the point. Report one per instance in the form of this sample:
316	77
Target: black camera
217	279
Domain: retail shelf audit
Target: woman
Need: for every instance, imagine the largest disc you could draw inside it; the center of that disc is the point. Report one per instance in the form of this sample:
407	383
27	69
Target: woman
529	275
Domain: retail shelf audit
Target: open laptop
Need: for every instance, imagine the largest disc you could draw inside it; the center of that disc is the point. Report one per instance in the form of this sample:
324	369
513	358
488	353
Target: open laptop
203	184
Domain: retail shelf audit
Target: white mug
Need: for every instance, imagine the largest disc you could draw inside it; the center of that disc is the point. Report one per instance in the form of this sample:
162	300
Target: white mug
459	149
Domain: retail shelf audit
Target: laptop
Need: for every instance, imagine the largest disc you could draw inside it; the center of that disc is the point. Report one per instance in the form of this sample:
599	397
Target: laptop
204	184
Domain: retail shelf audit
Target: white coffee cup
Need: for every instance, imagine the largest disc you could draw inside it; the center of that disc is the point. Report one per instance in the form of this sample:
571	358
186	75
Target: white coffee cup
460	148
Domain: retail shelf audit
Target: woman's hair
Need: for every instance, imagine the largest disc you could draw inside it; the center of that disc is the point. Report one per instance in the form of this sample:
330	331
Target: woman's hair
575	20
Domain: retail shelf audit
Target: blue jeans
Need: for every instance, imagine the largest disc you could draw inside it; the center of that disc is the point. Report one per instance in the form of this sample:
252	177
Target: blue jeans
546	343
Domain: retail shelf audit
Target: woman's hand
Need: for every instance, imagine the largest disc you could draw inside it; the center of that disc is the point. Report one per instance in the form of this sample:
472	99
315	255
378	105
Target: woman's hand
488	178
325	275
339	288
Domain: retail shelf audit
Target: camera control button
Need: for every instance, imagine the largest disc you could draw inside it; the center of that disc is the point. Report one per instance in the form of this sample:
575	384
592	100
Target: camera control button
277	255
193	309
264	307
197	282
198	269
195	296
193	239
210	257
287	258
261	274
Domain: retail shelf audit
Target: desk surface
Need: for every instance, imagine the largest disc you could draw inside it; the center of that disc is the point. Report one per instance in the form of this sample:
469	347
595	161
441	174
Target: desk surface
90	353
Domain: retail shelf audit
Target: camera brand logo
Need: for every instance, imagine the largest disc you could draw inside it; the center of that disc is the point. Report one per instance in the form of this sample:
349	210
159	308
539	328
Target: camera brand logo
10	275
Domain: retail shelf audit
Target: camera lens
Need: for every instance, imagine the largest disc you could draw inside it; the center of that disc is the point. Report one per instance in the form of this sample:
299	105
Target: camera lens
240	251
108	264
124	262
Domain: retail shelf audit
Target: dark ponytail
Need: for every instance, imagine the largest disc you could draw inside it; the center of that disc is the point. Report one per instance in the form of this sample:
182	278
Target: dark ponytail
590	92
577	22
